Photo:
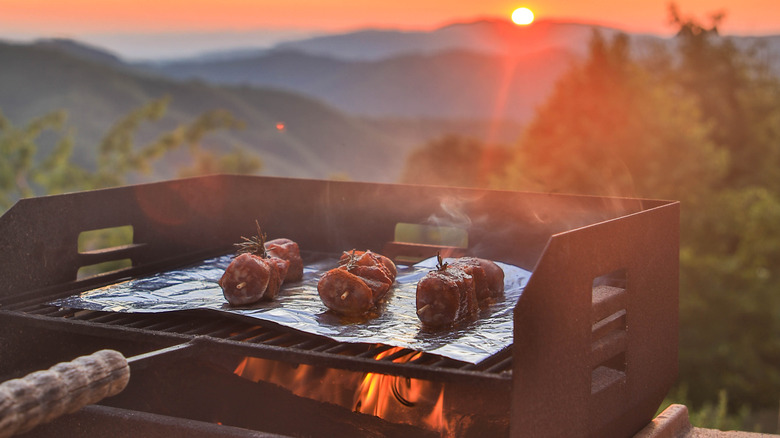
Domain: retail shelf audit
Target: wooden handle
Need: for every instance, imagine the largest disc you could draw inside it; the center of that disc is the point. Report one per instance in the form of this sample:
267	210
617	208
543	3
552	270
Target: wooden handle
64	388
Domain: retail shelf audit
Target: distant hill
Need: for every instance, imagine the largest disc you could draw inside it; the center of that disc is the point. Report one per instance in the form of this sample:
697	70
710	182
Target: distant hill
480	70
490	37
483	69
80	50
317	140
453	84
494	37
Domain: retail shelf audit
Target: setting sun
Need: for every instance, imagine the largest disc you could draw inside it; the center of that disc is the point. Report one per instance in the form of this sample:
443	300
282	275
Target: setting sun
522	16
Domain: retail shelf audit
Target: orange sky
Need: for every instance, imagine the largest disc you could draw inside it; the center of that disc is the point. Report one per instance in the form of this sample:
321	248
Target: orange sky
79	17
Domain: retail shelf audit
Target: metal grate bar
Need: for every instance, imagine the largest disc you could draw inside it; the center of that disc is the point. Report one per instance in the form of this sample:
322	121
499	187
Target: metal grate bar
502	366
261	338
185	325
251	331
26	306
225	331
425	359
446	362
498	362
156	323
309	344
334	348
375	351
53	312
399	354
125	319
107	317
201	329
280	339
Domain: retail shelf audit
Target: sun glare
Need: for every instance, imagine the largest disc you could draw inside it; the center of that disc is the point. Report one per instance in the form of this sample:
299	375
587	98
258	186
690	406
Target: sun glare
523	16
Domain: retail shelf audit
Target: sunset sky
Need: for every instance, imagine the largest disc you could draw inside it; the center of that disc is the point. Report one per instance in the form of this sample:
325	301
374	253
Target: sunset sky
90	16
86	19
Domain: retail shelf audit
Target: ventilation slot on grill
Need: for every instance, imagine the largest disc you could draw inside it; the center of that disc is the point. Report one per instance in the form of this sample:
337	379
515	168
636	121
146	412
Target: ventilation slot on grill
609	334
415	242
105	250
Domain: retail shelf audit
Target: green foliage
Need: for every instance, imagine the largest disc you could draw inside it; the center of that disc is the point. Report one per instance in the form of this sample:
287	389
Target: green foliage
116	153
18	149
457	161
738	95
24	172
711	415
206	163
119	158
729	303
611	128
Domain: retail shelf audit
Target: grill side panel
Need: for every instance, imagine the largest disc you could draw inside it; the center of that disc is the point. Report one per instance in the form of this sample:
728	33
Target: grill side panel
573	366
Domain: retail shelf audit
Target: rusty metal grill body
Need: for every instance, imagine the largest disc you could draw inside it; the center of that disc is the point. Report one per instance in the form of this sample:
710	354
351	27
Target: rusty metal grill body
591	356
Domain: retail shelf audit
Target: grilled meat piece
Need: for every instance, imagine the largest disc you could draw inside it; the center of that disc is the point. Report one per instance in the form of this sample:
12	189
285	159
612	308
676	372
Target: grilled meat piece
250	278
456	291
358	284
286	249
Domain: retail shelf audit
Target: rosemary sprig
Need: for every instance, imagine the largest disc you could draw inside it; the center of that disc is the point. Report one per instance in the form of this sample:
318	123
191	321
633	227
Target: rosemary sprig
350	262
441	265
253	245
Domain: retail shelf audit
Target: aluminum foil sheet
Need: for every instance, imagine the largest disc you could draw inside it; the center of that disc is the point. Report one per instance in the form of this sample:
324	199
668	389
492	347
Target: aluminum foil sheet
298	306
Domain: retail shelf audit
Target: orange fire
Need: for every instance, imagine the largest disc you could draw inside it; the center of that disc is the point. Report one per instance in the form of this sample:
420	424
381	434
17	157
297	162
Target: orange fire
436	420
396	399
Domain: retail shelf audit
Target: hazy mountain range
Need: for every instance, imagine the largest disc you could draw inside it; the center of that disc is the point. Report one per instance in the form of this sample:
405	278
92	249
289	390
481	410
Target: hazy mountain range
484	69
495	37
353	103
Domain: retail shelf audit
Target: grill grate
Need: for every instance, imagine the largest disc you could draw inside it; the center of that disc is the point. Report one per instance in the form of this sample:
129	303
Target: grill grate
221	329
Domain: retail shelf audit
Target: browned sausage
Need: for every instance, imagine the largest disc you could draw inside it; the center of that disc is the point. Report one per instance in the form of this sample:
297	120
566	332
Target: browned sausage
260	269
286	249
279	270
345	293
250	278
488	278
386	262
456	291
445	297
358	284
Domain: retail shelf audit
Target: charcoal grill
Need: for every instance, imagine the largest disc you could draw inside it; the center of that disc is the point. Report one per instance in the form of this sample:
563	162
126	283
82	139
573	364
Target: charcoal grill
595	331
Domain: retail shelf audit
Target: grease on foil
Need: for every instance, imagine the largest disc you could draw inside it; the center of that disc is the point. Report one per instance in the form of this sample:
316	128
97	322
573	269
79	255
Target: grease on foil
298	306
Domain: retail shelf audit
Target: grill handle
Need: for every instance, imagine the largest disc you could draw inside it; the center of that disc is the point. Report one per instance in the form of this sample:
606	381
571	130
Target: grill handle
64	388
